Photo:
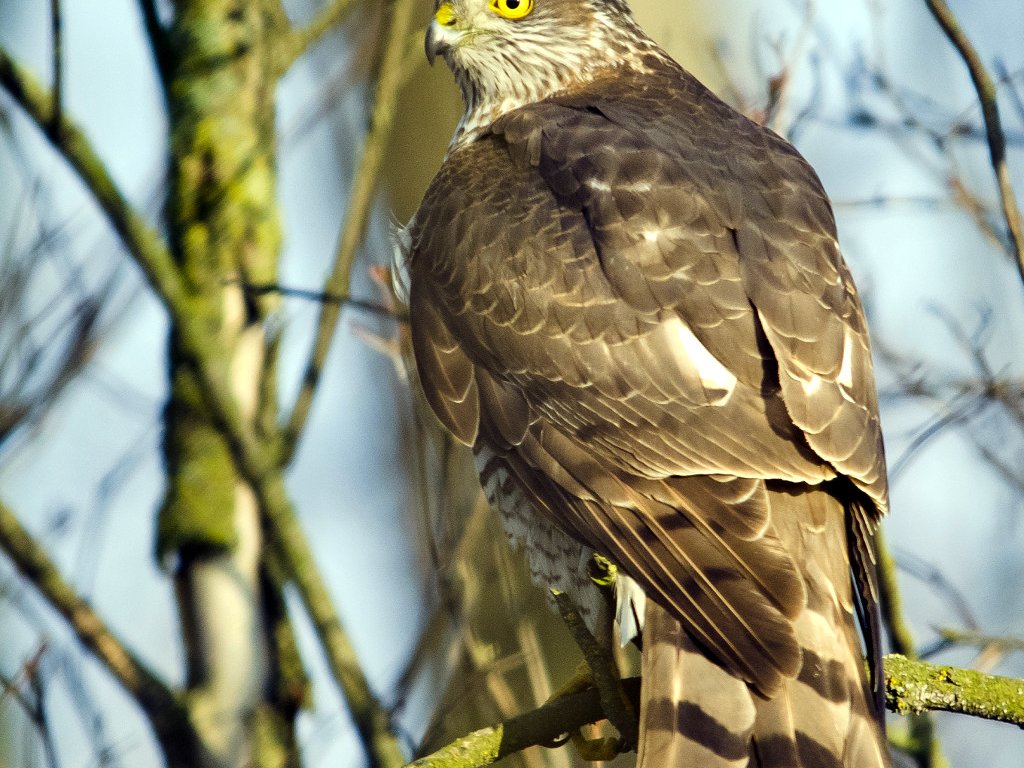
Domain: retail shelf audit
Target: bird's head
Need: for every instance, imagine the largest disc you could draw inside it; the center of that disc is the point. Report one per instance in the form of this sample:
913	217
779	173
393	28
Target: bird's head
510	52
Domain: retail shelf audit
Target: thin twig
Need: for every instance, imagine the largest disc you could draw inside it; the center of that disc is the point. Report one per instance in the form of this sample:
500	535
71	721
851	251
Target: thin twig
975	639
372	721
300	40
157	36
45	729
145	245
932	577
987	94
34	709
323	298
10	688
165	712
891	600
357	216
57	55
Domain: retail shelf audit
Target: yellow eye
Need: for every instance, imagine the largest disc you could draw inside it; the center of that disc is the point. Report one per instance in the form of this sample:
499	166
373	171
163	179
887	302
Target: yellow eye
512	9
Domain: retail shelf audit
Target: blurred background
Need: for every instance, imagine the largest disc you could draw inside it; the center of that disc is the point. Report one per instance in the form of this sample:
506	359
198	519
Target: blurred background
445	627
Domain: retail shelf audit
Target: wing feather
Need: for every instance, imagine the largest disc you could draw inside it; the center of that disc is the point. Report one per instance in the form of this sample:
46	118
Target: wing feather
651	326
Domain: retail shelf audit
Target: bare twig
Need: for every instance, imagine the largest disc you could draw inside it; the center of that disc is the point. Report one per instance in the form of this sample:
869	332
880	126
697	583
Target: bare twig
43	722
157	39
987	94
933	578
991	647
57	55
34	708
300	40
145	245
165	712
325	298
357	216
891	600
371	719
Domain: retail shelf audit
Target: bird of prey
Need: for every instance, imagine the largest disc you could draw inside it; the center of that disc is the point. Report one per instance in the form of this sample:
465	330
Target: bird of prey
629	300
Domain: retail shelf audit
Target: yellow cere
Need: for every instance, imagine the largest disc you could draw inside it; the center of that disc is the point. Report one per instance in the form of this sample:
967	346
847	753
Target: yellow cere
445	15
512	9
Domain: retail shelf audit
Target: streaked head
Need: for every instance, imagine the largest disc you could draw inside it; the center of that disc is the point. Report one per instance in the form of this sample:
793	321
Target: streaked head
517	51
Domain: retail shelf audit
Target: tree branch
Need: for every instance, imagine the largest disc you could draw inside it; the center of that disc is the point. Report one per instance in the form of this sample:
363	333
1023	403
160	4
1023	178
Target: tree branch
920	741
300	40
168	717
357	216
987	95
157	39
545	726
259	465
57	56
149	252
286	536
917	686
141	240
604	672
912	687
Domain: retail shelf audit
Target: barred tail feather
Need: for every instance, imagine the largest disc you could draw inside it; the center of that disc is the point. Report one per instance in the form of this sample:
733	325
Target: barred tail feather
825	716
821	718
692	712
696	714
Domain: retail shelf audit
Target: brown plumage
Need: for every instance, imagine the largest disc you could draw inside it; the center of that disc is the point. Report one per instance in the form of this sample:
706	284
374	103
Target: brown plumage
630	301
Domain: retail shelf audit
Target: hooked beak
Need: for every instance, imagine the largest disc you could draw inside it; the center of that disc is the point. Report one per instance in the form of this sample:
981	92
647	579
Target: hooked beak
442	33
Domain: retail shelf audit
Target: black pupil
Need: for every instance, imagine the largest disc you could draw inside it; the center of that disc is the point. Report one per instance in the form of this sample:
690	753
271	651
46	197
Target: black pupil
512	4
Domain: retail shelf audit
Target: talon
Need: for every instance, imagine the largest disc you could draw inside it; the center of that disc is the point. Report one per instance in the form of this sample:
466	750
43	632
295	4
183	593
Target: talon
602	571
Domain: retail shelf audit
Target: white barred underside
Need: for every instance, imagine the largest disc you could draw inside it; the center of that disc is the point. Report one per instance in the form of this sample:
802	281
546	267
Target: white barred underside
556	560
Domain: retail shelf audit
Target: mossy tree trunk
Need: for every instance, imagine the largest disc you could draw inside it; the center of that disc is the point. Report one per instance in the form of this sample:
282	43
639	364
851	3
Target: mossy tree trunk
227	526
223	233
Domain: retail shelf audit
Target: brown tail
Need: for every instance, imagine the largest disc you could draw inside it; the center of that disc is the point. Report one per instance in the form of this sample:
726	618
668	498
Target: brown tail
696	714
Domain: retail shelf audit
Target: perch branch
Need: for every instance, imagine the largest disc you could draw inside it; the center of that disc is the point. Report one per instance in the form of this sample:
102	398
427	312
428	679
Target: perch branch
603	670
920	741
911	687
545	726
917	686
985	87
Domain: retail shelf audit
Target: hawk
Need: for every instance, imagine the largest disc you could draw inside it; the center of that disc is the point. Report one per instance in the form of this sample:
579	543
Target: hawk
629	300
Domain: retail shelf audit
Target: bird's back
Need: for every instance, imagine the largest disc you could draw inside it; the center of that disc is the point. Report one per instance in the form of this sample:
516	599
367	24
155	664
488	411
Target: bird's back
630	300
